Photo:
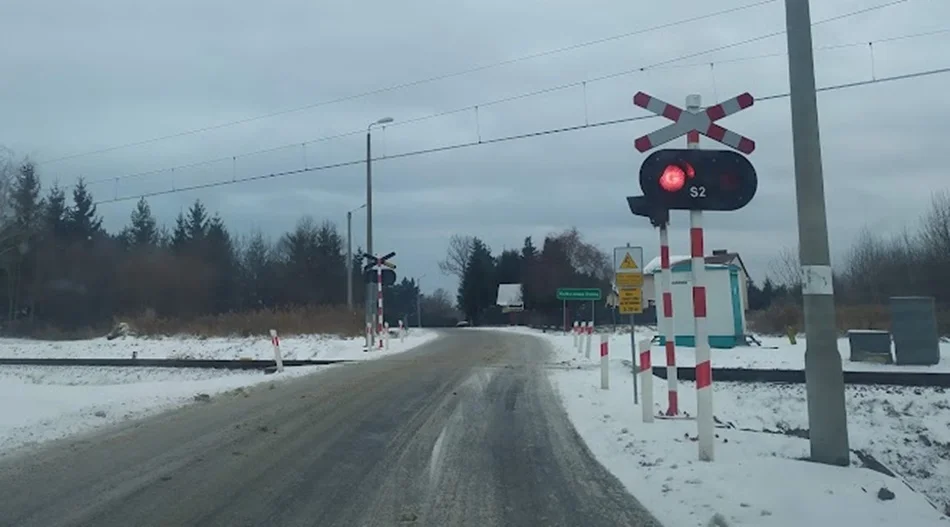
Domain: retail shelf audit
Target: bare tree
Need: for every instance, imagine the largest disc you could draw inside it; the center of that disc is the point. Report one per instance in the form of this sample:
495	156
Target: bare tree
784	269
584	257
457	255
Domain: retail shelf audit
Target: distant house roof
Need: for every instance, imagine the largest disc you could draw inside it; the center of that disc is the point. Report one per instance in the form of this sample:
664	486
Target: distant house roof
509	295
722	256
718	257
654	264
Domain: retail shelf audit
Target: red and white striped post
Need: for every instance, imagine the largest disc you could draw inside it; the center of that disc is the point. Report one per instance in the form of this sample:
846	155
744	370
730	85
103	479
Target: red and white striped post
646	381
590	336
379	303
275	342
669	333
704	402
604	362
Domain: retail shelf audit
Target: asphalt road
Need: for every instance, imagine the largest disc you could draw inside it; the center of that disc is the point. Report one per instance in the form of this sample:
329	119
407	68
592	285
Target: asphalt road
465	430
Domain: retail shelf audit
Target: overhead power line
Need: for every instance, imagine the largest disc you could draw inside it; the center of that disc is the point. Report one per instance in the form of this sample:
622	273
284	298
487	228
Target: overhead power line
666	64
480	68
482	142
414	83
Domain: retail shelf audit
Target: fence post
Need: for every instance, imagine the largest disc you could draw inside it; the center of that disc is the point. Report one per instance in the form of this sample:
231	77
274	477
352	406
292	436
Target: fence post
590	335
581	334
646	381
604	362
275	341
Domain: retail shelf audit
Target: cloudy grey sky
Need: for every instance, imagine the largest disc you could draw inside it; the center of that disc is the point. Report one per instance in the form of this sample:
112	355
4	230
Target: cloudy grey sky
84	76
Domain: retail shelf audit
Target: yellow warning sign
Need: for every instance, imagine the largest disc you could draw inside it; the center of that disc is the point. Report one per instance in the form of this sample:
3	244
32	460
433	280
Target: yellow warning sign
631	301
629	280
628	262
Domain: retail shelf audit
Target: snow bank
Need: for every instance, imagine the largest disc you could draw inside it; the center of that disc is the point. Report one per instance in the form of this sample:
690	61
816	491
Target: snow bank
758	478
292	347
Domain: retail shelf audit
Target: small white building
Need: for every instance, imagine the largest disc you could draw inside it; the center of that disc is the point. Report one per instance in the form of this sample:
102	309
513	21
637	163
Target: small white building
726	298
510	298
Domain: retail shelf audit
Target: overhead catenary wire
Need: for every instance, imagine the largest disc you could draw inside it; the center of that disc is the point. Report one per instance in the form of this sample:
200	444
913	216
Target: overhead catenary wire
418	82
482	142
666	64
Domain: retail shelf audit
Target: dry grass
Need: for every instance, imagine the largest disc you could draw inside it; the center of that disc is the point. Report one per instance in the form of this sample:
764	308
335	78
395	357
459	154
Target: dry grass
297	321
778	317
25	329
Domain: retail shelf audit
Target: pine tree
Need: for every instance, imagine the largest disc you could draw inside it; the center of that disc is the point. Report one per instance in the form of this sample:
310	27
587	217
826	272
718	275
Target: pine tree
478	288
179	239
81	220
142	231
299	258
56	212
330	265
196	226
27	220
509	267
27	206
258	272
529	278
219	253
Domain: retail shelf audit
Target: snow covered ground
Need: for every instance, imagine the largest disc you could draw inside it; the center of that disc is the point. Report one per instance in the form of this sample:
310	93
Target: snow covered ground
291	347
51	402
758	477
776	353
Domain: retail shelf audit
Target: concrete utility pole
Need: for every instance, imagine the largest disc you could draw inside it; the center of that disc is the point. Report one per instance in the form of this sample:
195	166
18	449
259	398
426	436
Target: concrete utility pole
827	417
370	301
349	260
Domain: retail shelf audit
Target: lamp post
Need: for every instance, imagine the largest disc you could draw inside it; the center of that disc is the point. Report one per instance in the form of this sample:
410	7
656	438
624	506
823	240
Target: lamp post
349	256
370	305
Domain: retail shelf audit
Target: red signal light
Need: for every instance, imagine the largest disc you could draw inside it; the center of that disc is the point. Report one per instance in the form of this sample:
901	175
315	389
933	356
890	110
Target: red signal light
674	177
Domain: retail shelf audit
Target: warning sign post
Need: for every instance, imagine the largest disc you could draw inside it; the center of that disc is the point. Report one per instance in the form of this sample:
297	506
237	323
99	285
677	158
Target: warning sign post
628	278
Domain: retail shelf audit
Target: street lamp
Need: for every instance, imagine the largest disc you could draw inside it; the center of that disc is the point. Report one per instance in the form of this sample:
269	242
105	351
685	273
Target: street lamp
349	256
370	305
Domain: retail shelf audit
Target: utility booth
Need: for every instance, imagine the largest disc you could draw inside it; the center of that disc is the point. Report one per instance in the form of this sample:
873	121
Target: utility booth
725	309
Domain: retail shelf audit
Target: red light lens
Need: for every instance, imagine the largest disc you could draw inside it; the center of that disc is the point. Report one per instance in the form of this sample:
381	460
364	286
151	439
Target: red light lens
673	178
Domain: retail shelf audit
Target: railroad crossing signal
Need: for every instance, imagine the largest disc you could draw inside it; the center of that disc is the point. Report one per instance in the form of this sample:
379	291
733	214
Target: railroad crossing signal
686	121
693	179
698	180
373	261
370	269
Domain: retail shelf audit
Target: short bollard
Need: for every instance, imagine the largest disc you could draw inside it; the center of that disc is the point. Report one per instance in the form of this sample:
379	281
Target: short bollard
590	335
275	341
646	381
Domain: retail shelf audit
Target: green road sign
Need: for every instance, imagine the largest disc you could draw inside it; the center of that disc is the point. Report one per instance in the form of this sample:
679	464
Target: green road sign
571	293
